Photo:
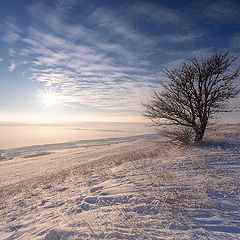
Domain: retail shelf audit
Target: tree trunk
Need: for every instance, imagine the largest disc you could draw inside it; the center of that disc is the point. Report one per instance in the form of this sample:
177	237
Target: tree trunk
199	134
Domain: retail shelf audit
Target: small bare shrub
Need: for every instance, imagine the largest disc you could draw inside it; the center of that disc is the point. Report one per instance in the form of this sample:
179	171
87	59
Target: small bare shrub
180	135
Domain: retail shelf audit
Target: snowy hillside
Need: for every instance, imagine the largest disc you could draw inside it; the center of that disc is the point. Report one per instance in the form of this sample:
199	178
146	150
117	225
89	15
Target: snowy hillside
132	188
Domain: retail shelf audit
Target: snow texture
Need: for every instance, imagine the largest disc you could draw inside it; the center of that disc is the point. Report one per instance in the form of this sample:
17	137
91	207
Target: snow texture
132	188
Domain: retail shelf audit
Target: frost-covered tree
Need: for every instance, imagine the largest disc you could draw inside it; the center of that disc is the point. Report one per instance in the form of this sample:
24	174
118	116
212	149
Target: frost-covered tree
194	93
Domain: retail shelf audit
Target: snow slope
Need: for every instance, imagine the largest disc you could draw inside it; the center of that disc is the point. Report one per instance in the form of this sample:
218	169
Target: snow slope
134	188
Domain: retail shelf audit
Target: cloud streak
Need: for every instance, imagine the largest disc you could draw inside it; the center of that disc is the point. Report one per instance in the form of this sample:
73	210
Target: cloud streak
102	64
157	15
234	42
221	10
12	66
10	32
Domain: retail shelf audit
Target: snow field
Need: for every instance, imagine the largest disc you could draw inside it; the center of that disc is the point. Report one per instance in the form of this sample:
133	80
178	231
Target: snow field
143	189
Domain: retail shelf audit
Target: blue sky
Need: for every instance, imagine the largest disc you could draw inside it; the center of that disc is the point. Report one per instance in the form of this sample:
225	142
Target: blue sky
100	59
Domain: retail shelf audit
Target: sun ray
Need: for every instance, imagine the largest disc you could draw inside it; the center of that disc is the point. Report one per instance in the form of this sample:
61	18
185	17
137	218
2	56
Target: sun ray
49	99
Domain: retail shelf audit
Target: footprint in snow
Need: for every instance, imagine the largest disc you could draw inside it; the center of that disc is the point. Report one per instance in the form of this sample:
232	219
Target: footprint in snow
43	202
83	207
53	205
96	189
91	200
61	189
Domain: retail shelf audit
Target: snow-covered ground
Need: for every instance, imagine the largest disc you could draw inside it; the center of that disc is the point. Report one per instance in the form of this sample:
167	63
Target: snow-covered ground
128	188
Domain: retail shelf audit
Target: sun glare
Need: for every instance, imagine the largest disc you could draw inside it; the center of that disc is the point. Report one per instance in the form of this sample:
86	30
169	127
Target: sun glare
49	99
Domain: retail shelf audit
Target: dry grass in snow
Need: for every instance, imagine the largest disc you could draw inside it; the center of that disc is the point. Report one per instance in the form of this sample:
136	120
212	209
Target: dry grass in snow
139	189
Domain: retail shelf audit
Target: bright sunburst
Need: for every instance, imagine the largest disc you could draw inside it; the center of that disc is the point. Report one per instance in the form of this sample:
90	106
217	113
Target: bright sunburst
49	99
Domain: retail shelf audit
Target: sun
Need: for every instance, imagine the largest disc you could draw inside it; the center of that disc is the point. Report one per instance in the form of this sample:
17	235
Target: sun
49	99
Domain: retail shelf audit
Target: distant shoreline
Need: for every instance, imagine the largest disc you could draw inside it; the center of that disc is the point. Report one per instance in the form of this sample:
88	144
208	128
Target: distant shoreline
22	135
35	149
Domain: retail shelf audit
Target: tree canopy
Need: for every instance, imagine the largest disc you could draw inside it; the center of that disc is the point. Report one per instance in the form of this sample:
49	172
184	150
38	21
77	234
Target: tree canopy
194	92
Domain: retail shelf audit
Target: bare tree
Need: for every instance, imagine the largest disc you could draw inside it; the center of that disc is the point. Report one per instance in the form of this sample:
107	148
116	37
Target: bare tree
195	92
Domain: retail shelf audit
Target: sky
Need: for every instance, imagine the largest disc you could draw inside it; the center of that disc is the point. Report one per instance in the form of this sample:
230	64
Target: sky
79	60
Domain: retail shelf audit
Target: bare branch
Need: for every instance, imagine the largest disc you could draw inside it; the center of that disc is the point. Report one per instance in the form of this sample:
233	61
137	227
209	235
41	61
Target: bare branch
196	91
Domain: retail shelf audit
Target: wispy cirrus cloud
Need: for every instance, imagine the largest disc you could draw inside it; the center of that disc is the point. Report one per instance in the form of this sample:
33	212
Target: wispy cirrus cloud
180	56
221	10
12	66
234	42
11	52
119	26
157	15
106	56
66	2
10	32
103	63
180	38
97	74
64	5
